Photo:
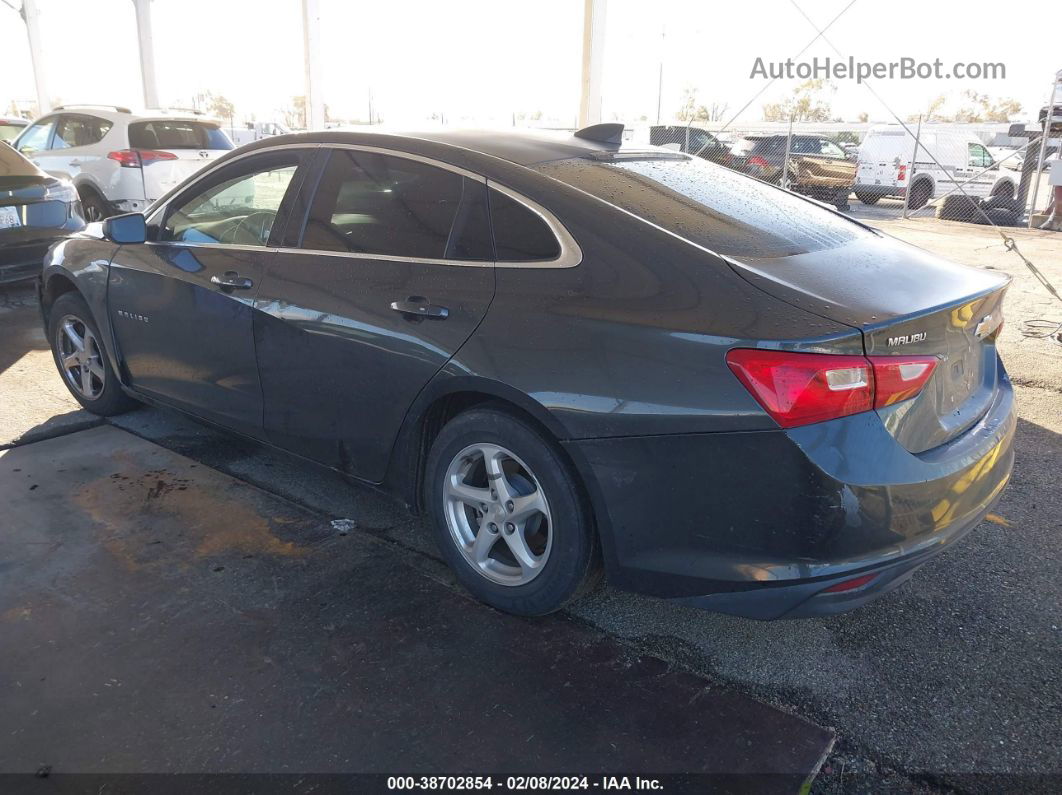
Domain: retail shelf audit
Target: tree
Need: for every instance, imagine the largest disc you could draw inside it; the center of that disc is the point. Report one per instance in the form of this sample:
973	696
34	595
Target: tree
806	103
864	117
691	111
972	108
220	107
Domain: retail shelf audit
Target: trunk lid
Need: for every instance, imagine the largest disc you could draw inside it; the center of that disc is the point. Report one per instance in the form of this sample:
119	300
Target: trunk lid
906	302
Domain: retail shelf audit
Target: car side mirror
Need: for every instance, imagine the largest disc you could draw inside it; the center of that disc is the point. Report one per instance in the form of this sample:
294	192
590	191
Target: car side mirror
125	229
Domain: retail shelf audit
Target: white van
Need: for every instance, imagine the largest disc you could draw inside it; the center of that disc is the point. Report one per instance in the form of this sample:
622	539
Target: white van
885	166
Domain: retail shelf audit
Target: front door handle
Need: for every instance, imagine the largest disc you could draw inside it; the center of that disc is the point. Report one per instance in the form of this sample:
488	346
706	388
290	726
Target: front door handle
74	163
417	306
231	280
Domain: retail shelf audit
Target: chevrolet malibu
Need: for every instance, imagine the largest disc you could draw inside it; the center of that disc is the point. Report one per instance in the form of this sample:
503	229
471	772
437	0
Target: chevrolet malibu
577	357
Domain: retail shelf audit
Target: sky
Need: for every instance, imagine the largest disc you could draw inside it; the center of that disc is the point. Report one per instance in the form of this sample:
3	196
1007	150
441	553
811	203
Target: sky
481	62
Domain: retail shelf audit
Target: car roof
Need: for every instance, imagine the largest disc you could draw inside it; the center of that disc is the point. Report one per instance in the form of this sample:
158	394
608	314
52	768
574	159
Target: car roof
115	113
525	148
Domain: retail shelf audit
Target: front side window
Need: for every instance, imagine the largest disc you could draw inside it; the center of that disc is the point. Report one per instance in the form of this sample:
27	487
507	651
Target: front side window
79	131
979	156
371	203
35	139
240	209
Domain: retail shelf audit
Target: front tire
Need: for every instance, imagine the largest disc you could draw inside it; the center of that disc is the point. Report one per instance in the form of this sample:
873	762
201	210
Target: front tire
79	355
508	514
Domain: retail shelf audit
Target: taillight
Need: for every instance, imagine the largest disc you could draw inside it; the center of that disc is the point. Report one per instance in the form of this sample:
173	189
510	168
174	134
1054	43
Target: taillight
135	158
759	162
901	173
802	388
899	378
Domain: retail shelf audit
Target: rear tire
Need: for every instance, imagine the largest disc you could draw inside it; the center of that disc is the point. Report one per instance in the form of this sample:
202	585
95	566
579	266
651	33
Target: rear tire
921	193
79	355
508	513
868	198
94	206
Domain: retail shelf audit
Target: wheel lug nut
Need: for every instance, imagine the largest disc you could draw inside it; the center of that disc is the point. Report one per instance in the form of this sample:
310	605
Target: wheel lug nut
493	494
509	527
509	506
492	527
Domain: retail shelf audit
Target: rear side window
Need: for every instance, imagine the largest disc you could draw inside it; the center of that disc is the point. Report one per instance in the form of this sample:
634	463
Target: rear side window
710	205
177	134
370	203
520	234
79	131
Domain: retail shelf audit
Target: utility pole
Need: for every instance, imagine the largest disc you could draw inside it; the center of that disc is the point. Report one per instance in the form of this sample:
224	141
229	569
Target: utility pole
31	17
311	42
147	53
593	61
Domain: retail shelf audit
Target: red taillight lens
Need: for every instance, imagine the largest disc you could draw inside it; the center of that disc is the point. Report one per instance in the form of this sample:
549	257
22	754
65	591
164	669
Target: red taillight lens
901	174
151	155
759	162
802	388
127	158
898	378
135	158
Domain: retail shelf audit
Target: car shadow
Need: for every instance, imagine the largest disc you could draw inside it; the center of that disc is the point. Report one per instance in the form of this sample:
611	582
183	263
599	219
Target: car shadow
20	323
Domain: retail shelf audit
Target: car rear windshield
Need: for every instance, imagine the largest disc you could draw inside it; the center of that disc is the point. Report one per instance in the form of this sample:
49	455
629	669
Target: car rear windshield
177	134
710	205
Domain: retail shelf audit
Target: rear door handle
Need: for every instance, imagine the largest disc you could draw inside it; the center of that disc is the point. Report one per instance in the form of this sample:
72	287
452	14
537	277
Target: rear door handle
232	281
418	306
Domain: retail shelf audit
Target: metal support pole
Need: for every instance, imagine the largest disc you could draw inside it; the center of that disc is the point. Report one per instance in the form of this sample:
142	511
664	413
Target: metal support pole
788	149
31	17
1043	144
911	170
593	61
311	41
147	53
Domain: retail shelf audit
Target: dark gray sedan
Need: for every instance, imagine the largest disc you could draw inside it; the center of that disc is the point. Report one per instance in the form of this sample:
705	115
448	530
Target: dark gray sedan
35	211
577	357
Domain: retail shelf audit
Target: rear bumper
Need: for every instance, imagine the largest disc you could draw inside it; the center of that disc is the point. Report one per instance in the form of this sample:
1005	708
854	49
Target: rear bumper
760	523
22	261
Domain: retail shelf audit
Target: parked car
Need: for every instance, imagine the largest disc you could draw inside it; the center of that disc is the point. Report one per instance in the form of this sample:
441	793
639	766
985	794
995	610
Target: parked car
690	139
958	158
570	353
11	127
818	167
35	211
118	160
253	131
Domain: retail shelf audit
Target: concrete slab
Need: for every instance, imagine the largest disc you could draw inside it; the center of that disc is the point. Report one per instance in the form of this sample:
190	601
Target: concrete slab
159	616
32	407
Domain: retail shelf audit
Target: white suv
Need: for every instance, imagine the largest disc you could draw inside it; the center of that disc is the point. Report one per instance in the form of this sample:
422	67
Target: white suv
118	160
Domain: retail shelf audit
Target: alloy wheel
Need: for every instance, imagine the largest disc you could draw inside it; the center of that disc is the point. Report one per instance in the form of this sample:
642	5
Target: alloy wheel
497	514
80	357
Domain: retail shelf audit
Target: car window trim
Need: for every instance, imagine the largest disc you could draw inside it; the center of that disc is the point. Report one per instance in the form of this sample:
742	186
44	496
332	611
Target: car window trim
570	252
150	220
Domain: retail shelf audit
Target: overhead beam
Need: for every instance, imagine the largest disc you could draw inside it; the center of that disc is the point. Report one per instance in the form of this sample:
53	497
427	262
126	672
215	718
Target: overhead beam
146	41
311	42
593	61
31	17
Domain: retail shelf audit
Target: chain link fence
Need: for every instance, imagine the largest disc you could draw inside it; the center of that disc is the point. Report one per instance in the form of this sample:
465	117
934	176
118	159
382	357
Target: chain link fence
970	173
